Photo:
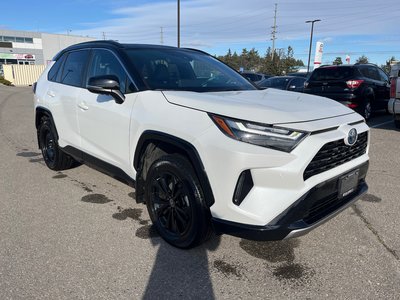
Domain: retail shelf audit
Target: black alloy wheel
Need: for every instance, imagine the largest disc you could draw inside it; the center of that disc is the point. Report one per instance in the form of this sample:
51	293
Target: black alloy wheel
47	142
367	110
170	201
53	156
175	202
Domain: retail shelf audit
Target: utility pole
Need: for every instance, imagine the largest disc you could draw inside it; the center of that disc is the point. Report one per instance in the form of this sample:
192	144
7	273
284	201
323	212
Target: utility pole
104	35
311	36
273	33
179	23
161	36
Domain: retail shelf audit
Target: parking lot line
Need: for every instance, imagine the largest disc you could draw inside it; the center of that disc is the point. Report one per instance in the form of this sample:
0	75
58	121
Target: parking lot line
381	124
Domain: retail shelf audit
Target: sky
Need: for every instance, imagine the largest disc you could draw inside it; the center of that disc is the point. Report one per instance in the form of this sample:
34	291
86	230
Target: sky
354	28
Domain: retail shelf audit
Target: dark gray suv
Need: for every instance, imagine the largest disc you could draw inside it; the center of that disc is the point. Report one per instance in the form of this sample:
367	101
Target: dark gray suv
362	87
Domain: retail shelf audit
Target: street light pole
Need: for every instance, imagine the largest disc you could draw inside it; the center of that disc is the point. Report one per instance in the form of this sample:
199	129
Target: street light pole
179	23
309	51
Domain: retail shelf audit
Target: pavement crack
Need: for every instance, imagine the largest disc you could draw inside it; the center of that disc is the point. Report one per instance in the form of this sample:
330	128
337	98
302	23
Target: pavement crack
359	213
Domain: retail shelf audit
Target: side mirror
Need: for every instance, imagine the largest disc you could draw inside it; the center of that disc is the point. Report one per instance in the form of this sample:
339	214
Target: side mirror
106	85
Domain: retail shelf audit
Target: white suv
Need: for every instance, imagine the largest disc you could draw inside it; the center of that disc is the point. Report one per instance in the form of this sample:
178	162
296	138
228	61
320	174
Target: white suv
203	147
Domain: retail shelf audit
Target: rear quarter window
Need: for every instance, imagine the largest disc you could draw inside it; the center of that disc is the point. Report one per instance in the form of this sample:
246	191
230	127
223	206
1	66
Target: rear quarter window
52	75
332	73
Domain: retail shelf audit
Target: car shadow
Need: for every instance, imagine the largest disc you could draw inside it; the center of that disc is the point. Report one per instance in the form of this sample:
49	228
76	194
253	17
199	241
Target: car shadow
382	120
181	273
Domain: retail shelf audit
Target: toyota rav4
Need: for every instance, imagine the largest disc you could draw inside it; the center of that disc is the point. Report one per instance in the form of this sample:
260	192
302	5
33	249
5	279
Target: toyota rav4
203	147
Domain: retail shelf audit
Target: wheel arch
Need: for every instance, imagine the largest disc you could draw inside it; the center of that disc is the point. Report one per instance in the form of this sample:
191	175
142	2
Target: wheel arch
44	112
369	93
154	144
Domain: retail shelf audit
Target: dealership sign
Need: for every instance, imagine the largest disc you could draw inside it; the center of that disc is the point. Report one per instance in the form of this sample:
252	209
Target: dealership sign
318	54
17	56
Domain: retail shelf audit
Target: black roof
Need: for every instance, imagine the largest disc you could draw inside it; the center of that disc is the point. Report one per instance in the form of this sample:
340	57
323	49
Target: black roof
349	65
115	45
118	45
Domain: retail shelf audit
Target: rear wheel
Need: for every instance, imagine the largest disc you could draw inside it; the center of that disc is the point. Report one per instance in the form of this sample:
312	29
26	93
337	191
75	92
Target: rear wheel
53	156
366	109
176	203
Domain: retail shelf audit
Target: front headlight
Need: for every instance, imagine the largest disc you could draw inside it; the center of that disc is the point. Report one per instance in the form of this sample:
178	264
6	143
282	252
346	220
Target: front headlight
269	136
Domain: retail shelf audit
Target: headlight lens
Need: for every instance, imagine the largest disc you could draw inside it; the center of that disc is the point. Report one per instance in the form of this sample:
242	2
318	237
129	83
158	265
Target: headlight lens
269	136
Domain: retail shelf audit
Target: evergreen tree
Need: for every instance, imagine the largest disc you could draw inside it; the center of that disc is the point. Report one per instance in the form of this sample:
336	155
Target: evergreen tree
282	63
338	61
386	67
362	59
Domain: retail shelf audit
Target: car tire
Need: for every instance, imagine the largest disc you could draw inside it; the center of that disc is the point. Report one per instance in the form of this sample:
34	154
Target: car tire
175	202
53	156
366	109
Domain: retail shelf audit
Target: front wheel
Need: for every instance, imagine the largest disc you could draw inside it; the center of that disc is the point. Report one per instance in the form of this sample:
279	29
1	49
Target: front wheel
175	202
53	156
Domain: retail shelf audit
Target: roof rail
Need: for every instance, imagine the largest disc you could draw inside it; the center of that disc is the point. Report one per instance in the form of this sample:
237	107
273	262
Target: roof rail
89	44
99	42
371	64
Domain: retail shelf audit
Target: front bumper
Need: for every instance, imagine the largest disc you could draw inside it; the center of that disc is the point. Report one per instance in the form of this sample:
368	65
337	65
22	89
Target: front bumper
314	208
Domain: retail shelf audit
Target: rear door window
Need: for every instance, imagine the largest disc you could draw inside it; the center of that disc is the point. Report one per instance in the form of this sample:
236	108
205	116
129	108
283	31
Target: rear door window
74	68
370	72
383	75
373	72
279	82
332	73
298	82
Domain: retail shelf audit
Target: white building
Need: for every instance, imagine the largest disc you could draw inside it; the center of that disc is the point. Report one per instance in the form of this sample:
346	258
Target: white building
25	47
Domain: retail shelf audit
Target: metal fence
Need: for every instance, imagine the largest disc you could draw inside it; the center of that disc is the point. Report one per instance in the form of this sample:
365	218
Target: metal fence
23	74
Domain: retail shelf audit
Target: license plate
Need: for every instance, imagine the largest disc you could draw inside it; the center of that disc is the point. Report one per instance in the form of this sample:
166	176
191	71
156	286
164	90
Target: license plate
348	183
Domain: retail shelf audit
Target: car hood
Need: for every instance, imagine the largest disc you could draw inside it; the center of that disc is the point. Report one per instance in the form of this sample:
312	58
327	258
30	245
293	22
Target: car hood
268	106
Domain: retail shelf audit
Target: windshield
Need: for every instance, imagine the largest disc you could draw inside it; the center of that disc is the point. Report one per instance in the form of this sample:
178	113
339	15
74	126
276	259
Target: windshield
185	70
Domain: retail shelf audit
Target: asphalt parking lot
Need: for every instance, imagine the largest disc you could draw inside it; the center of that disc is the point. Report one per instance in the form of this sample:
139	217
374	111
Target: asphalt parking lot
79	234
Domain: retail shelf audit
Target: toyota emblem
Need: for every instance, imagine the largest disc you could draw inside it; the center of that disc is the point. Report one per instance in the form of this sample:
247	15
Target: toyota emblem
351	138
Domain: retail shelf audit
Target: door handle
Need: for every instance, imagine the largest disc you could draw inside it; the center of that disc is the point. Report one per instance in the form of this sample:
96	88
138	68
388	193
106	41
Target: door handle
51	94
83	106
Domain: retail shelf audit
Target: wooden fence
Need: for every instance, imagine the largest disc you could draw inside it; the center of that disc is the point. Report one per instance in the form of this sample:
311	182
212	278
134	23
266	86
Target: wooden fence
23	74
